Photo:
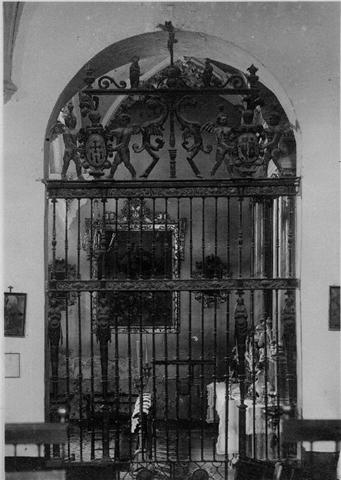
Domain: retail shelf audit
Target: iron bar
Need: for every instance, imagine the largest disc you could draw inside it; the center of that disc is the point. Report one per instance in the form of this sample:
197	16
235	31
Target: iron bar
174	284
166	341
266	374
177	346
78	238
80	378
54	239
129	353
92	329
278	379
215	235
92	373
190	374
165	242
117	391
240	236
142	427
190	237
168	92
67	353
191	362
173	188
202	378
154	411
291	238
214	360
253	375
153	341
165	337
202	339
116	240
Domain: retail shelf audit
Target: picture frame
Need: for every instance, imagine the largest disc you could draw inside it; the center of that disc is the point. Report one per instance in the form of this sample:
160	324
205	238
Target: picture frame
145	311
14	314
334	308
139	243
12	365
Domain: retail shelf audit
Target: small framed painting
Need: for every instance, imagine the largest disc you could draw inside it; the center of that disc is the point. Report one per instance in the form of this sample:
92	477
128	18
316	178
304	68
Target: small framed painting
334	308
12	365
14	315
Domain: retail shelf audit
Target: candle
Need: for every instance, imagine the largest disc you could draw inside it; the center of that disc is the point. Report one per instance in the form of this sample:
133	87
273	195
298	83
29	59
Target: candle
138	357
146	348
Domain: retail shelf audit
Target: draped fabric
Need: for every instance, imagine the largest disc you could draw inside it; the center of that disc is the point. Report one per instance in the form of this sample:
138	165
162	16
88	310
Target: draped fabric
11	16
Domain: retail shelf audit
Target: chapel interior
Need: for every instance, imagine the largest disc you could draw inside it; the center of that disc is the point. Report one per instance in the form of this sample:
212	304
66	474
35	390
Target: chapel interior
184	262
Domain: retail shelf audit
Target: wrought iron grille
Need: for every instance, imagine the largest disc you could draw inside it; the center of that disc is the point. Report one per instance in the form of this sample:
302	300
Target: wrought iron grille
171	303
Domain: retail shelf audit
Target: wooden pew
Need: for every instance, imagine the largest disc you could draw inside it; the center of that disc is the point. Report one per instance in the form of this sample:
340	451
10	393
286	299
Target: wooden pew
39	467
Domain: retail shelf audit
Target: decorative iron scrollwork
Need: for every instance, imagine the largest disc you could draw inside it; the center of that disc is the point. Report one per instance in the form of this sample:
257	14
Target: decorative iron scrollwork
245	145
211	268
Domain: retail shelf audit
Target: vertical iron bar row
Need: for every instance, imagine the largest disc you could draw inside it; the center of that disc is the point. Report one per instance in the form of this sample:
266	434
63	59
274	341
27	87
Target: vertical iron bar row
118	431
142	429
80	375
154	424
92	329
190	375
240	237
214	357
279	371
291	236
166	343
202	355
266	374
130	397
227	373
191	236
227	334
54	239
252	316
67	346
177	346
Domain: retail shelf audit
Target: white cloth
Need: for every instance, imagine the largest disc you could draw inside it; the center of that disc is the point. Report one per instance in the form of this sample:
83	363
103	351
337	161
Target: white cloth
146	406
217	394
220	405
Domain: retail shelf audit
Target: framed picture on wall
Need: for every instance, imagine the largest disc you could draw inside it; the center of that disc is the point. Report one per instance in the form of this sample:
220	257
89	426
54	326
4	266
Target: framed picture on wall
334	308
14	314
12	365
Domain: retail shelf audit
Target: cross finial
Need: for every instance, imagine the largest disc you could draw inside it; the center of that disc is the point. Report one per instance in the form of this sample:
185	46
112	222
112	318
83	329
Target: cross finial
10	288
168	27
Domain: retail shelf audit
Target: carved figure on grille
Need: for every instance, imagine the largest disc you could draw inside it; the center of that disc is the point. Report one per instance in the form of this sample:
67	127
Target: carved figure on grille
103	331
123	136
67	129
103	334
222	132
134	73
207	73
55	336
192	130
241	329
152	128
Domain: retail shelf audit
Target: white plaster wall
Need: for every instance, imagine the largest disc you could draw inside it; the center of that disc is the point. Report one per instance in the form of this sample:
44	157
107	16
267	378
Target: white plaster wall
297	43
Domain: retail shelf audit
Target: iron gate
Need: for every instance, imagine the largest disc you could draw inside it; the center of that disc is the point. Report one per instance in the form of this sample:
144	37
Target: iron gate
171	303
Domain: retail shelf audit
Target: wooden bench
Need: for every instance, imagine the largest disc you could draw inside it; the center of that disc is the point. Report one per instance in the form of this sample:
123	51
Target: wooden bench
41	466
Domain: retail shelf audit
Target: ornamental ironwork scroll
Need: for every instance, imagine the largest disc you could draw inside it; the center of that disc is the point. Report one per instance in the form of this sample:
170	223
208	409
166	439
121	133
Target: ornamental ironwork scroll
246	147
